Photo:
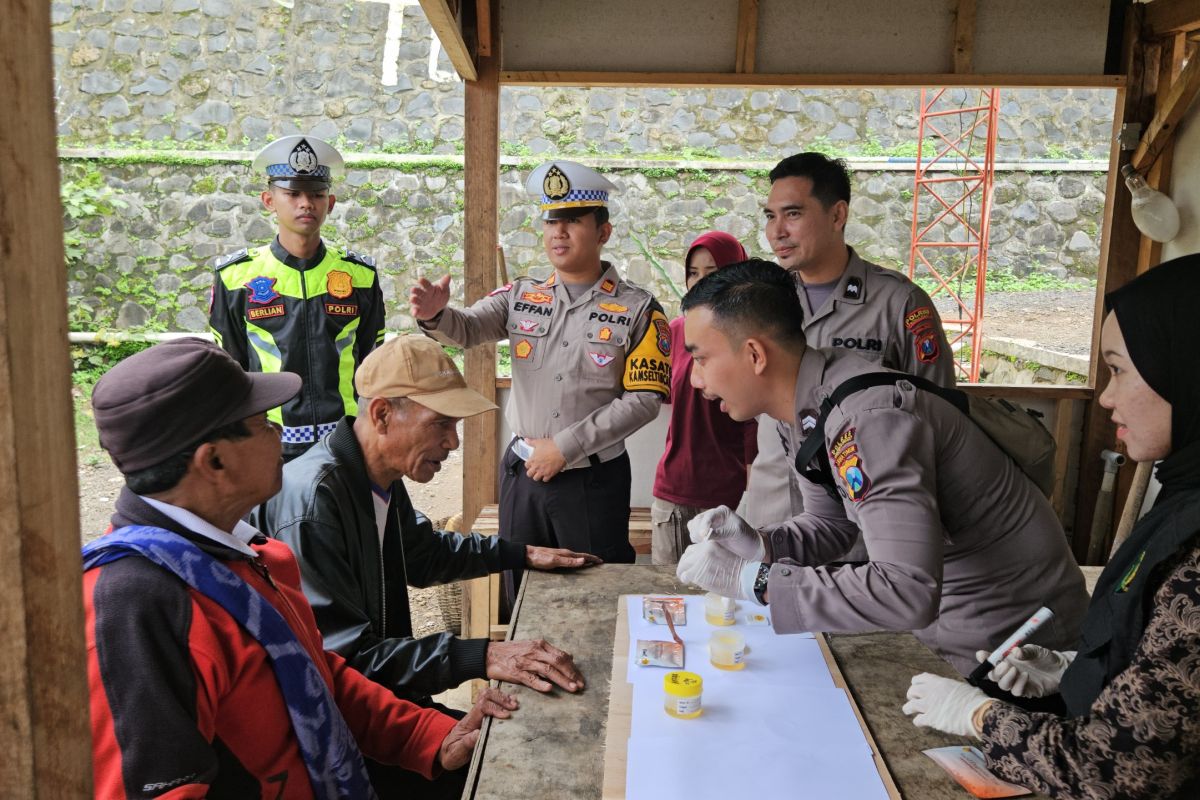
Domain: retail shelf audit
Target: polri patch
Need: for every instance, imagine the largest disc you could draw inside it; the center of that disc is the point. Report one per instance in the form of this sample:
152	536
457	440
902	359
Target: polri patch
915	318
926	345
847	460
339	284
342	309
262	290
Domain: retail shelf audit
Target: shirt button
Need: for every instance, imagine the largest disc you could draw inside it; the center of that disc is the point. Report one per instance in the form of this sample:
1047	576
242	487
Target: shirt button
564	344
558	377
554	414
784	571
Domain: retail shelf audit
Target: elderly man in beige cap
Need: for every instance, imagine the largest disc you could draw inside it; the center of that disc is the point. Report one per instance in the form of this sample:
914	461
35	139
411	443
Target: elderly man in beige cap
360	543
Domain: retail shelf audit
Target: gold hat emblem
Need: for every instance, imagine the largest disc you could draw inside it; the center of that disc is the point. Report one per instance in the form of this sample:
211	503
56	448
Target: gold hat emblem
555	185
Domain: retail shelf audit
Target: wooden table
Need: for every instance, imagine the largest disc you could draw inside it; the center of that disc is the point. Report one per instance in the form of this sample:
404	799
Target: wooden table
552	748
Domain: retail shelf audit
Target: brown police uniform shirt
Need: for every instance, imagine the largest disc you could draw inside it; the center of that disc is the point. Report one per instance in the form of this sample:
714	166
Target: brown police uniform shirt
962	546
875	313
587	372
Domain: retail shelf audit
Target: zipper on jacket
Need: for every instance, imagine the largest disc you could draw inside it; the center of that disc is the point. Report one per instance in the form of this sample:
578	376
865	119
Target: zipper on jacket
258	566
308	337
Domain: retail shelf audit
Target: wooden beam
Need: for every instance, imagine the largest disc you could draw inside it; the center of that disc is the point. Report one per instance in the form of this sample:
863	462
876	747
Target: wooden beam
45	735
747	36
1168	17
964	36
1162	127
1158	176
445	26
483	27
481	175
786	80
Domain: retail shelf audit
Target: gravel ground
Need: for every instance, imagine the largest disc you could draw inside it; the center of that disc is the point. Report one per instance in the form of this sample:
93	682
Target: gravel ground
1058	320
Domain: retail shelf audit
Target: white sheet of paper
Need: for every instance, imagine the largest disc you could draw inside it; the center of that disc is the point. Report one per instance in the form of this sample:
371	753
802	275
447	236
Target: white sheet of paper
680	769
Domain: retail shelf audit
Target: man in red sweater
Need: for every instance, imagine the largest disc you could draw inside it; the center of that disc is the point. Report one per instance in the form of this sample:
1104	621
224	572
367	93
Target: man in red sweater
207	672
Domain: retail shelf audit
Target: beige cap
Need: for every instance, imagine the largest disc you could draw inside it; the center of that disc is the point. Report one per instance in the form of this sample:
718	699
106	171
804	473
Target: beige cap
418	368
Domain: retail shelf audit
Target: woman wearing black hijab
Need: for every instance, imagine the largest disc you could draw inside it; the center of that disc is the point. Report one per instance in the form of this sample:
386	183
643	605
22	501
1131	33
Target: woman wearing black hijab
1132	690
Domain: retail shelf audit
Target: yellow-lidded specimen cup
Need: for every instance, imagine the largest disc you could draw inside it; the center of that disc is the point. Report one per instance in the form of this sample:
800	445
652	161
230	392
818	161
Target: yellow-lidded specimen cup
681	694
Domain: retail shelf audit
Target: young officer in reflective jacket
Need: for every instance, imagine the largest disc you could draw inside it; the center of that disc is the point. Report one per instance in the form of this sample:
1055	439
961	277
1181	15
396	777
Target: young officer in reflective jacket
591	361
294	305
848	305
963	546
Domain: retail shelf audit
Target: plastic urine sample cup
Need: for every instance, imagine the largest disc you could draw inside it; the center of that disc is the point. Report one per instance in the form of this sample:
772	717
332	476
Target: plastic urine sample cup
719	610
681	694
727	650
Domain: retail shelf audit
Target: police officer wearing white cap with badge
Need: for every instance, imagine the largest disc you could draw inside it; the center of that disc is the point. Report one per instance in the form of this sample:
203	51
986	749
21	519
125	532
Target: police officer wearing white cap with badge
591	364
295	305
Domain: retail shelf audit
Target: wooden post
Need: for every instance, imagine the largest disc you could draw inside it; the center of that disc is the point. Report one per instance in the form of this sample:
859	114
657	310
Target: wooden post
747	36
481	170
45	736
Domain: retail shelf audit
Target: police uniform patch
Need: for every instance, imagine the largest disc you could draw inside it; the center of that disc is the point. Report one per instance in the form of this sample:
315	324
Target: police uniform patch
262	290
616	308
524	349
555	185
265	312
601	359
605	334
917	316
648	366
339	284
527	325
607	285
664	336
927	347
853	289
500	290
847	461
808	420
342	309
539	298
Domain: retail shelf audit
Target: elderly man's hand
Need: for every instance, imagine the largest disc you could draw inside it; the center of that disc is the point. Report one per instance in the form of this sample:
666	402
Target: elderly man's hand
456	748
426	300
547	460
533	663
558	558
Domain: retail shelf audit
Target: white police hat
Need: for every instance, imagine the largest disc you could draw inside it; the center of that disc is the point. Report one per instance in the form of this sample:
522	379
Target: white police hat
298	162
568	189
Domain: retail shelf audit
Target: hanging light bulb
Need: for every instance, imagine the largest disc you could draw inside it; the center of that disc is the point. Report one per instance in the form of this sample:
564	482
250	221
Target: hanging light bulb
1153	212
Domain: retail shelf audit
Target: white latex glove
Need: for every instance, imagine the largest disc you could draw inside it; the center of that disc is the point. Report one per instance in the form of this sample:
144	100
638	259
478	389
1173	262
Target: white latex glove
712	567
944	704
1029	670
722	524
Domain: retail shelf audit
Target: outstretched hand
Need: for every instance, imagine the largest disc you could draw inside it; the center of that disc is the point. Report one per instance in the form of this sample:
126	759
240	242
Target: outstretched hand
456	748
558	558
426	300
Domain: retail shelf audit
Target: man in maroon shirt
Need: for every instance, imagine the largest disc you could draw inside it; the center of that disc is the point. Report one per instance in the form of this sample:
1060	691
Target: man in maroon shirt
708	455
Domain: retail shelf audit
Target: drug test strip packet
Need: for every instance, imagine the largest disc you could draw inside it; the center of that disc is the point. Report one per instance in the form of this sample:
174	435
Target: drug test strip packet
654	610
756	618
659	654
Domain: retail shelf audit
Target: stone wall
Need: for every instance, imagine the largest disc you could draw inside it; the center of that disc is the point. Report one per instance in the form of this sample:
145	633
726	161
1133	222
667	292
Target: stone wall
146	263
369	73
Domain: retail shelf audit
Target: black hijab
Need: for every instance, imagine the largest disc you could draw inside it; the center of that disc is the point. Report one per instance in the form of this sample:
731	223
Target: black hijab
1159	315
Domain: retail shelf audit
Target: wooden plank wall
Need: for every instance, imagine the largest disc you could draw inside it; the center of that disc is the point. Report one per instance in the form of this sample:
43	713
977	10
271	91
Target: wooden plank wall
45	737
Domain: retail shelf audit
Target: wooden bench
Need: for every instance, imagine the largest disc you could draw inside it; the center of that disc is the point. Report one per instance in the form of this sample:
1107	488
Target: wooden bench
481	596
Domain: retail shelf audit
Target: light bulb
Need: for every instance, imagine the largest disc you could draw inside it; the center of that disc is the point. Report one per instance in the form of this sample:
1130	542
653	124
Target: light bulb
1153	212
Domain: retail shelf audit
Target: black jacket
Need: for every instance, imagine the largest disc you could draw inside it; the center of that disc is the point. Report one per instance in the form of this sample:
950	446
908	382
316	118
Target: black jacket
325	513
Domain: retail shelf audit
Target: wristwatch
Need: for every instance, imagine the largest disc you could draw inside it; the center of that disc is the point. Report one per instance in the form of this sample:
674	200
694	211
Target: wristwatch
760	583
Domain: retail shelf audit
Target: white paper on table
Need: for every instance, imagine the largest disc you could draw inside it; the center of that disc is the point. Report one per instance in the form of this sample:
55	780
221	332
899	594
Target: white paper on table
679	768
782	661
806	719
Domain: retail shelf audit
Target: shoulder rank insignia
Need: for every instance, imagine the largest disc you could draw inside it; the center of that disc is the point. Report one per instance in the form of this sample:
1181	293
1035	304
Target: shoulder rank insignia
359	258
500	290
262	289
608	285
853	289
232	258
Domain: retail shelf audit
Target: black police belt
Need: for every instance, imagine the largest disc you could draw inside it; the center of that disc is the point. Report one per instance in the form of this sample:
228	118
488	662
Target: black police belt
523	451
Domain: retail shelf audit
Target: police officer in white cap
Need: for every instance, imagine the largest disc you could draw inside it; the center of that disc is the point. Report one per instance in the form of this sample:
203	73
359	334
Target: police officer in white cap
295	305
591	364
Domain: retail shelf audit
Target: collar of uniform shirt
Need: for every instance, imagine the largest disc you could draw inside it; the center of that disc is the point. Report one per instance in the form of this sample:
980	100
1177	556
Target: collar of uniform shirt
237	540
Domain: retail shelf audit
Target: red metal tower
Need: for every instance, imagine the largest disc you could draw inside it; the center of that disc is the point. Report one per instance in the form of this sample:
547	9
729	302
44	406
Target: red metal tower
952	203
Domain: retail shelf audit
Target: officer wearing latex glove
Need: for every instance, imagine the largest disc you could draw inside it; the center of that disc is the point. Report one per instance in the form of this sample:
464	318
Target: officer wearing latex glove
1030	670
947	705
723	525
712	567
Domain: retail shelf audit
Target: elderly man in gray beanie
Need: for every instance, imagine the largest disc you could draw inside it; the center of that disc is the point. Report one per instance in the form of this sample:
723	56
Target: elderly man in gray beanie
207	673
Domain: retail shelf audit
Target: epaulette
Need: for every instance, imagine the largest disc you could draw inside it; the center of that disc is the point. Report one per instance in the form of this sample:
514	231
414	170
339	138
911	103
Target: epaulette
887	272
233	258
359	258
